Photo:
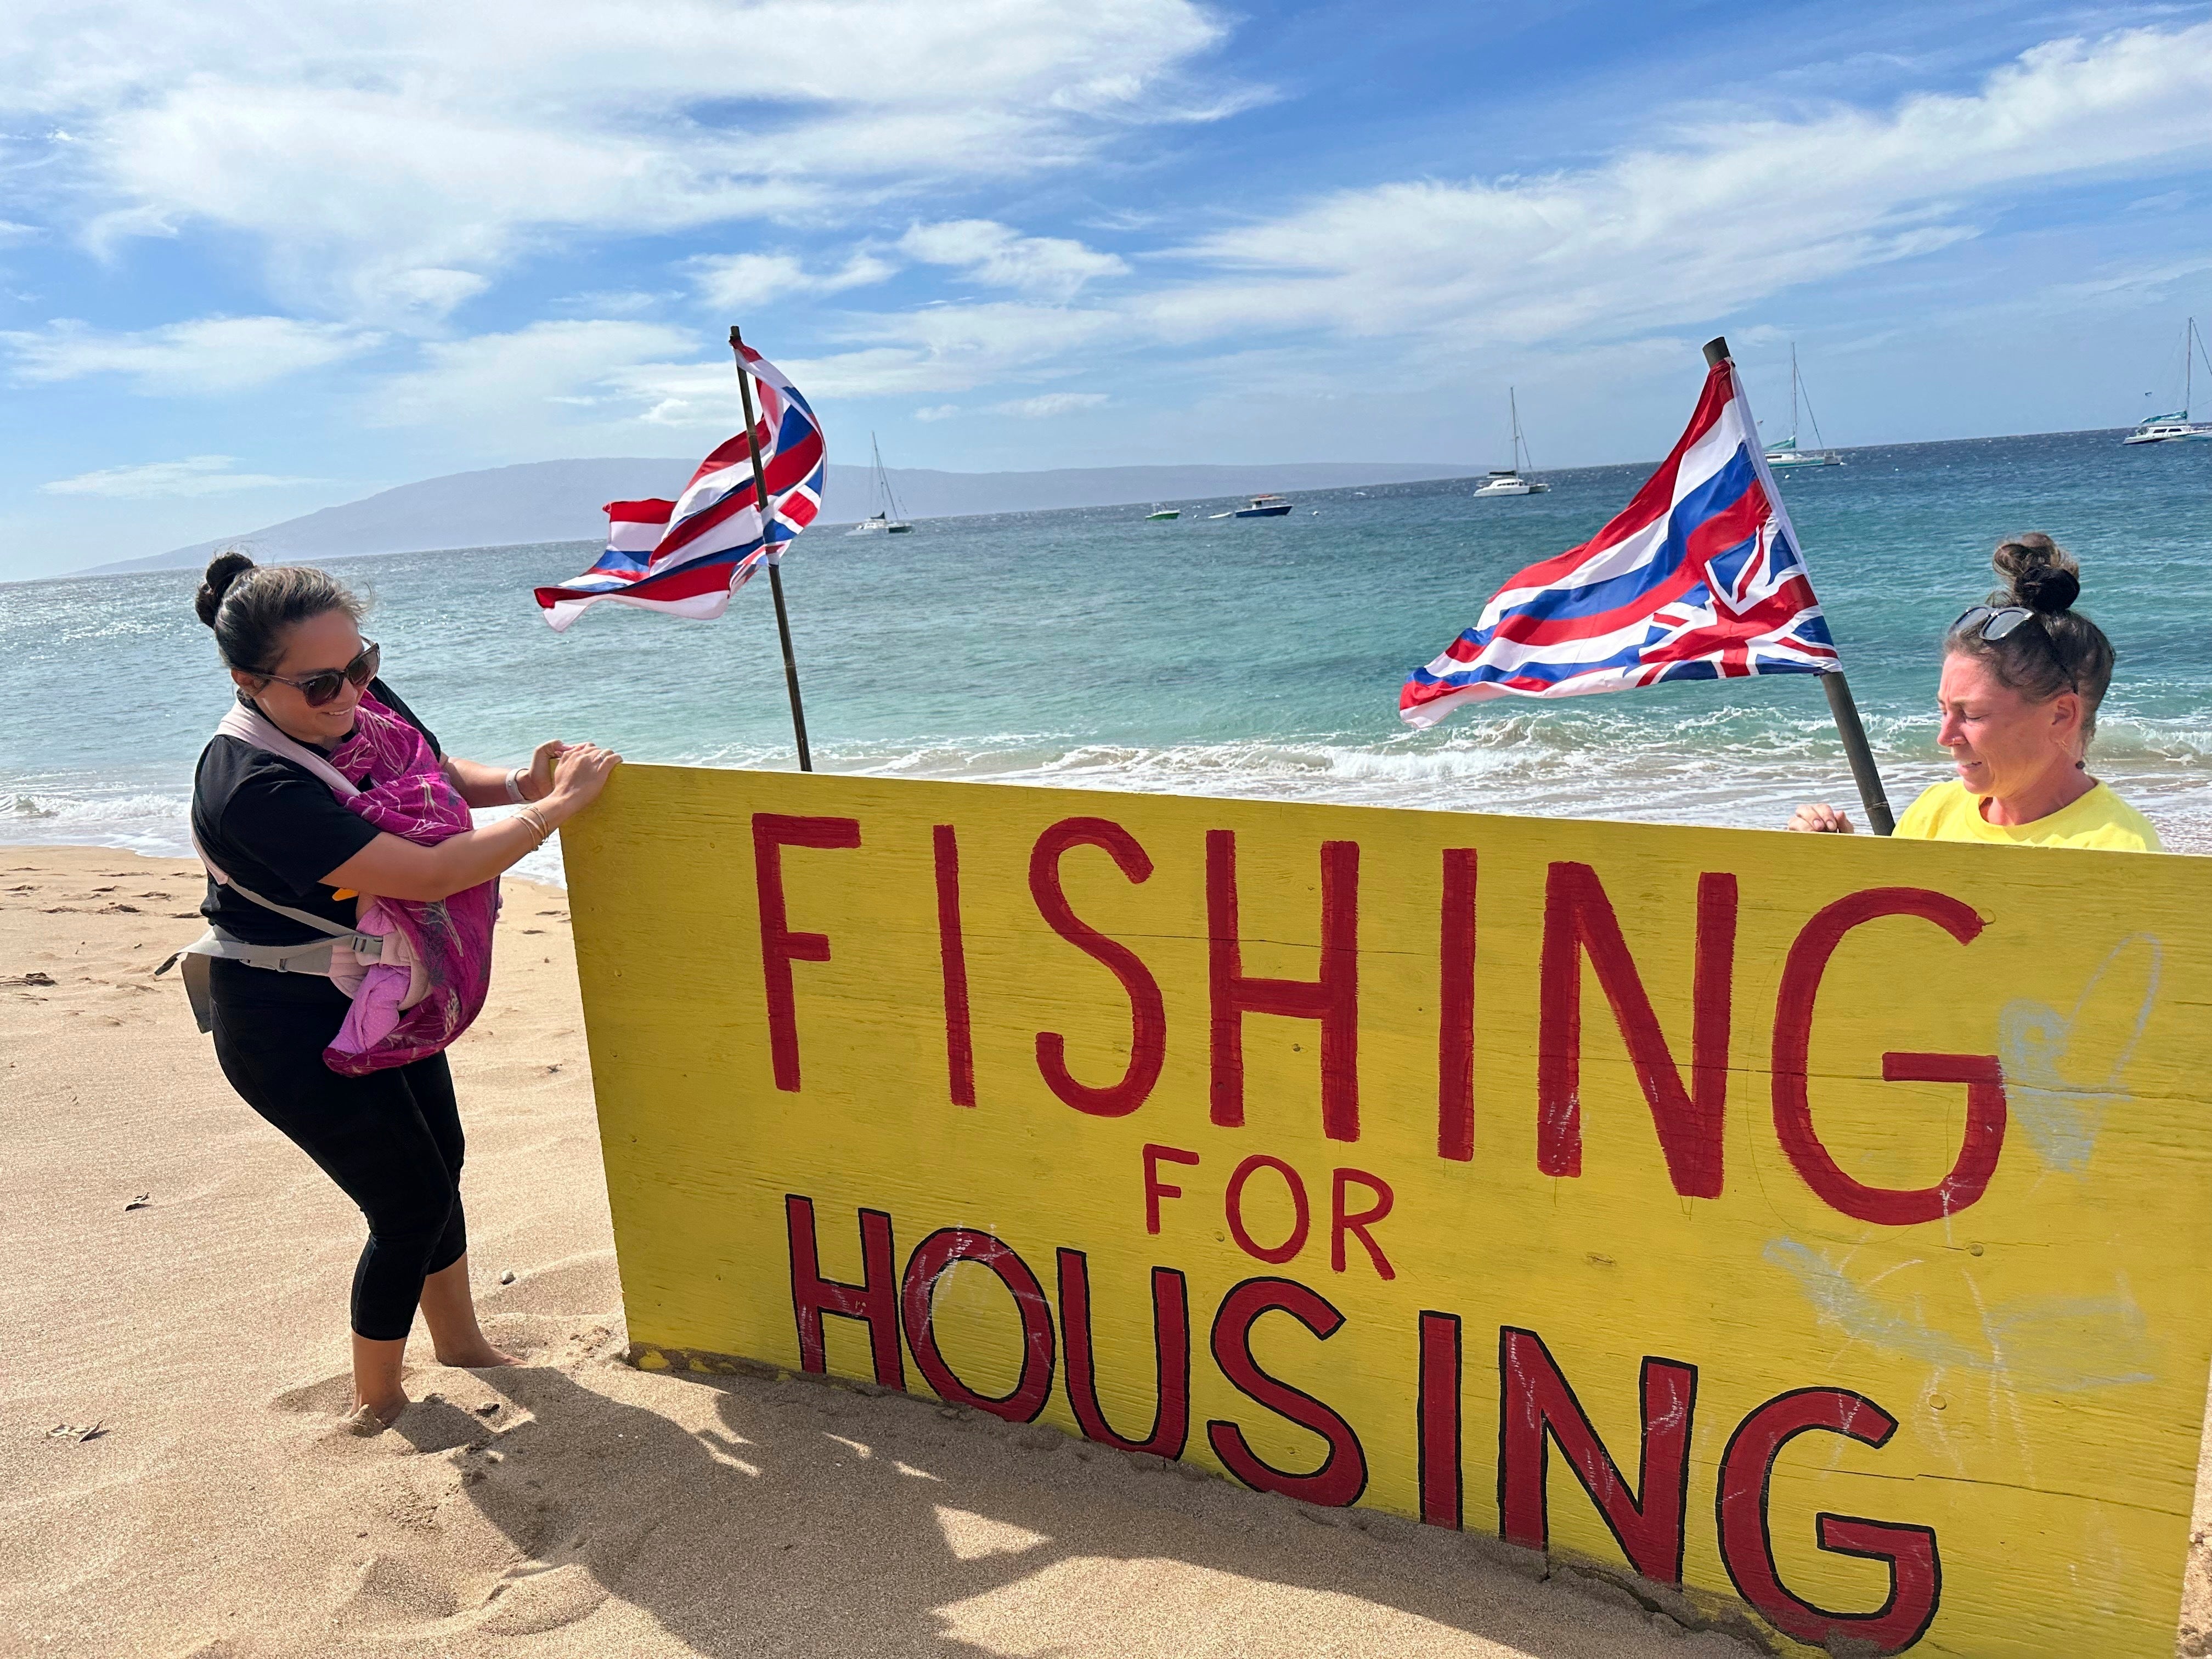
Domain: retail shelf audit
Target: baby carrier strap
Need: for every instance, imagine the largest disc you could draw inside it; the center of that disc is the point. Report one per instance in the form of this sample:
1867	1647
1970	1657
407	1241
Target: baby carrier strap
250	727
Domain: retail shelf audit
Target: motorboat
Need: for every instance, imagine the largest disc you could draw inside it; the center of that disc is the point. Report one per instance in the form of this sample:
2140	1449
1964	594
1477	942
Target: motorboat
2178	428
1786	453
1165	512
1263	507
1513	480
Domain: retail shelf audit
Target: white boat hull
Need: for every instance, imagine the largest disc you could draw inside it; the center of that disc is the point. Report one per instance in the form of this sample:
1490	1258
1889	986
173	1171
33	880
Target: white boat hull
1789	457
2170	436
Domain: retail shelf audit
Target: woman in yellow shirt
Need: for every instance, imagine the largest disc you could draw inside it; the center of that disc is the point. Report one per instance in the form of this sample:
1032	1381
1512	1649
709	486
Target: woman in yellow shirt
2022	677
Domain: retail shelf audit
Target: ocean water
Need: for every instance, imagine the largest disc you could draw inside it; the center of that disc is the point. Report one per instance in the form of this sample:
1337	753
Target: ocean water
1246	657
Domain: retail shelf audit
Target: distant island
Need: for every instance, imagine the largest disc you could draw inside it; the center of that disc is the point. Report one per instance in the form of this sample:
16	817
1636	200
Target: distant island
563	501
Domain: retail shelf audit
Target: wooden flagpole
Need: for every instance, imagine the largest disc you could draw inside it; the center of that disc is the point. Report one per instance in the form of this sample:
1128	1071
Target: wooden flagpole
775	571
1845	712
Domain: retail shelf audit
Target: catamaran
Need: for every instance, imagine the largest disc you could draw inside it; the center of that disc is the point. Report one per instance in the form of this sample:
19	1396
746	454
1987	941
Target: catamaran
1514	480
2177	427
886	518
1786	454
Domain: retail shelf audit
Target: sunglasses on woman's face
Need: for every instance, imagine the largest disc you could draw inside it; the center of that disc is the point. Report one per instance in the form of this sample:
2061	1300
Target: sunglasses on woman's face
322	687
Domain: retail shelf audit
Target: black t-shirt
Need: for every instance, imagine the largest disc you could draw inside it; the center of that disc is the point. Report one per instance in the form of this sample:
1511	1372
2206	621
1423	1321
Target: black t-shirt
276	827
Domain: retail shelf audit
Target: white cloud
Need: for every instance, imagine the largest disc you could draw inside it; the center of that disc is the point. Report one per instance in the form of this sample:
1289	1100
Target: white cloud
550	374
1723	215
941	349
196	475
936	412
1654	239
12	232
207	354
373	151
1050	267
737	282
1050	404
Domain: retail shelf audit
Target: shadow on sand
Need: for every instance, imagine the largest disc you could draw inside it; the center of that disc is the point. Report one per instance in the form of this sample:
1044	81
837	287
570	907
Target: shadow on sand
749	1515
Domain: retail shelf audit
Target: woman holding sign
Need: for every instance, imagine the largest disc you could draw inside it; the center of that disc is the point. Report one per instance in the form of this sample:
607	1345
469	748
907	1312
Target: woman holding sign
2022	677
341	855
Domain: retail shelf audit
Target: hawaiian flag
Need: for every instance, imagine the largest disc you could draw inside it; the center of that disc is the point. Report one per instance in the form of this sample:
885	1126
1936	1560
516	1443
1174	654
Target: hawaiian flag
687	556
1700	578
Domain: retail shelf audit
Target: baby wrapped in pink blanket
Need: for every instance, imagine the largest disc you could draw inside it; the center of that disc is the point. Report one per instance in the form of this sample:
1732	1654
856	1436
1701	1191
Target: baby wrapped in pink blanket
430	982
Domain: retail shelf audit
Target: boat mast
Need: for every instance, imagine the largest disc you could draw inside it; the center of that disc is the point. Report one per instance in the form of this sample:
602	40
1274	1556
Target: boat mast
1520	444
1793	394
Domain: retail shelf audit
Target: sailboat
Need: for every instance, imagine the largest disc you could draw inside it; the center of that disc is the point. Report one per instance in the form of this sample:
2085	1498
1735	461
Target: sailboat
1786	454
2177	427
886	518
1514	480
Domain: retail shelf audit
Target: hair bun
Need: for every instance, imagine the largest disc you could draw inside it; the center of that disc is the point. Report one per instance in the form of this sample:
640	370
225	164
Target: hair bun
2048	590
2039	573
223	570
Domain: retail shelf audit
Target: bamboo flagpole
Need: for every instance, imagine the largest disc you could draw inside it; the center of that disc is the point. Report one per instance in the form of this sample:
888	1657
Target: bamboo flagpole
775	571
1844	710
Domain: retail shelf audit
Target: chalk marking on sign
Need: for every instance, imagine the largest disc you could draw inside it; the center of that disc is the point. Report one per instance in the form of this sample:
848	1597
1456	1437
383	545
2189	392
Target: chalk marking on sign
2062	1119
2054	1326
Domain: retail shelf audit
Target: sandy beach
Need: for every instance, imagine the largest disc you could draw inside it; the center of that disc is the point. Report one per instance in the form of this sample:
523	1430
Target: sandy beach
173	1318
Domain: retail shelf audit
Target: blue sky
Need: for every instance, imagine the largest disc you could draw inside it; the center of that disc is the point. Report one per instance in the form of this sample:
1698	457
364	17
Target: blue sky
258	258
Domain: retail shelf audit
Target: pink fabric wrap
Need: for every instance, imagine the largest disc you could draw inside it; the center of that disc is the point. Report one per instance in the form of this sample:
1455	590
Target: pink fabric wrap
410	796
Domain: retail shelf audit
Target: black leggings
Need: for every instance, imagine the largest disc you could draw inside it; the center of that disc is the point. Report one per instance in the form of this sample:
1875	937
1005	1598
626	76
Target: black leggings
392	1140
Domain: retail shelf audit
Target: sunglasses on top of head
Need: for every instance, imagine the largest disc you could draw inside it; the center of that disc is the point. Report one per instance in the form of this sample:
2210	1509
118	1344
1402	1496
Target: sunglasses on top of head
1996	621
322	687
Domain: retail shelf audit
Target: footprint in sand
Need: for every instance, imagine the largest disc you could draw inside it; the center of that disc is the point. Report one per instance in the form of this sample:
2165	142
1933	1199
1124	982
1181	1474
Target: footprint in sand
391	1590
326	1396
537	1598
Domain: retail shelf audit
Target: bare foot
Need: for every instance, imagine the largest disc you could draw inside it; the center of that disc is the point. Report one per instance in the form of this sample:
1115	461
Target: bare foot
479	1358
367	1420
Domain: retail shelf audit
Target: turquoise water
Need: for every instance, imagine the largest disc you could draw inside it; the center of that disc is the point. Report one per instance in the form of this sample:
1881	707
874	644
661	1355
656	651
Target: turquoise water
1229	657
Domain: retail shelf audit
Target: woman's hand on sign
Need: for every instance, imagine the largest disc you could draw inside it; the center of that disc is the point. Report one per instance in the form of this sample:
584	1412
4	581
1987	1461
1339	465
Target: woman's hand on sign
392	866
1819	818
538	779
579	774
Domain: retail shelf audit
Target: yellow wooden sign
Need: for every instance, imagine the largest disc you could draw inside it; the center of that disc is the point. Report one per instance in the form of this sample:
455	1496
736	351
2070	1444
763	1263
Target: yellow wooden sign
1821	1224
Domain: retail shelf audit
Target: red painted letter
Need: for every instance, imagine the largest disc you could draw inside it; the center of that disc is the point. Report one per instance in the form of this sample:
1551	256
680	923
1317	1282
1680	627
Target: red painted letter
1455	1008
932	1260
874	1299
1171	1427
1578	917
1916	1572
952	956
1437	1422
1155	1189
1792	1034
1333	998
1233	1205
1148	1019
1536	1407
1342	1475
780	946
1342	1221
